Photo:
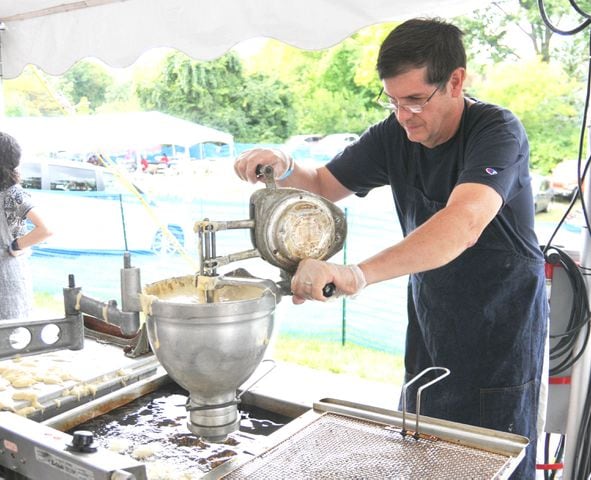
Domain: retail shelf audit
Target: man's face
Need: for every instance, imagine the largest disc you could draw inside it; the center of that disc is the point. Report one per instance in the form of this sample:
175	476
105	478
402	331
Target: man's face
437	121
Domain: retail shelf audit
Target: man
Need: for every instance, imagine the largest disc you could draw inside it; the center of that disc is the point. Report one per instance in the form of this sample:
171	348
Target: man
458	169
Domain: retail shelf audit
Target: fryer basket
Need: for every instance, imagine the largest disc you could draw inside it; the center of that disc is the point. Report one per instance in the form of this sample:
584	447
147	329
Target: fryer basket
339	447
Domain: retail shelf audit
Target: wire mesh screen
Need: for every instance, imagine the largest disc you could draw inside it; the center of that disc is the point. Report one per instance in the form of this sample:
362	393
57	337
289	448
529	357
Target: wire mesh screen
340	447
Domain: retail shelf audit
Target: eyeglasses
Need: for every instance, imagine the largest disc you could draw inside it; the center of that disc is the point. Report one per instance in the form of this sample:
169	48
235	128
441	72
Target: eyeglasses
394	107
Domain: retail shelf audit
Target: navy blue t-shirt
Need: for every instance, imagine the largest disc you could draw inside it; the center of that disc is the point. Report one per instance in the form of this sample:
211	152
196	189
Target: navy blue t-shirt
490	147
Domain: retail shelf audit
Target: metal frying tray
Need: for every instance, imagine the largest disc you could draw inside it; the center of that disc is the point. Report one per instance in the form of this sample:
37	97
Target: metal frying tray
343	440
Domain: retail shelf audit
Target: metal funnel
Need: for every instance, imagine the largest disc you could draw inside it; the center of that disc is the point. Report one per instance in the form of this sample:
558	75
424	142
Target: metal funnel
210	349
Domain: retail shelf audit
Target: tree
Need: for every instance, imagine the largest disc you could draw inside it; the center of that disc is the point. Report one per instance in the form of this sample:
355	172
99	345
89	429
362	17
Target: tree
120	97
218	94
333	89
33	93
87	79
492	33
545	99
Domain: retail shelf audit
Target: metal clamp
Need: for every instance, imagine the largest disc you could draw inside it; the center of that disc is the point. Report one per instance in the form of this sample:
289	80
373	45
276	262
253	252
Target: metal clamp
273	365
208	258
445	373
238	397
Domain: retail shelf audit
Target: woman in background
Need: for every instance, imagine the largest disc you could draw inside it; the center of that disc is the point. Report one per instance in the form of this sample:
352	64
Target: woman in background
16	289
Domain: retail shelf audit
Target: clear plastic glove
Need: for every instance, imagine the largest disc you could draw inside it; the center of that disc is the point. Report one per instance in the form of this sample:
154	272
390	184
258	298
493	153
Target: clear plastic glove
247	162
312	275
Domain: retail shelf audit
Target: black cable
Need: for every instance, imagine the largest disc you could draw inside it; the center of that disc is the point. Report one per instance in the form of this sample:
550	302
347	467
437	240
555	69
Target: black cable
557	459
558	454
581	175
578	9
546	20
582	459
579	317
581	172
547	455
562	220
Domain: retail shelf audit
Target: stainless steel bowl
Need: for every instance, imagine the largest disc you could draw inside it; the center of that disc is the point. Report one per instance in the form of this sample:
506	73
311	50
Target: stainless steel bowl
210	349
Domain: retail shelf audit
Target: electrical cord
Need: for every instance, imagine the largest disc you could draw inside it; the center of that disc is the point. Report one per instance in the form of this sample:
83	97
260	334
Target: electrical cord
575	30
578	9
557	458
582	459
563	352
564	349
581	170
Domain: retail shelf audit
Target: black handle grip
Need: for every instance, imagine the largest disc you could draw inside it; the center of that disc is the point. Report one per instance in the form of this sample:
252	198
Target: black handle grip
329	289
262	170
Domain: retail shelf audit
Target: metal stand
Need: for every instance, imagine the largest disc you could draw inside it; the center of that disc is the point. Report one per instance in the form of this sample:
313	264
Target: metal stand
18	337
35	336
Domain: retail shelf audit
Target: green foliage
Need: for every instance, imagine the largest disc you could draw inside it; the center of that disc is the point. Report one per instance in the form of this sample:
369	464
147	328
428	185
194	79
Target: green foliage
348	359
88	80
546	100
333	91
218	94
486	31
31	94
486	37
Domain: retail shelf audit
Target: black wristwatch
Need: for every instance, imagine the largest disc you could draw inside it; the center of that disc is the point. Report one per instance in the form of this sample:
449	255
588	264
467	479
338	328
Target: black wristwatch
14	245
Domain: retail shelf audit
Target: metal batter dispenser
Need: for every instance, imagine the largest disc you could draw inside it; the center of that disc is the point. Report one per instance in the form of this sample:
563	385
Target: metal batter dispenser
210	331
286	225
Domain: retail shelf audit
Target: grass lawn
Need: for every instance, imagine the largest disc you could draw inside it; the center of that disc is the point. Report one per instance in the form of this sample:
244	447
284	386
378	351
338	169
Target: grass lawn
333	357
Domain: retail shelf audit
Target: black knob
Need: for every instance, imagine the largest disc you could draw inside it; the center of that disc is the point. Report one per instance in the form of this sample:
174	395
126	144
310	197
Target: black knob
82	441
329	289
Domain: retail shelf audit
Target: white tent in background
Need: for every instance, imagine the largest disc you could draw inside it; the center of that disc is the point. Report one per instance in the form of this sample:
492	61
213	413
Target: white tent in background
110	132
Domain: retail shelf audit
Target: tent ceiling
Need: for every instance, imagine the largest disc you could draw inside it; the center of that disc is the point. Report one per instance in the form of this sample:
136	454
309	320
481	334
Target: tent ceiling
54	34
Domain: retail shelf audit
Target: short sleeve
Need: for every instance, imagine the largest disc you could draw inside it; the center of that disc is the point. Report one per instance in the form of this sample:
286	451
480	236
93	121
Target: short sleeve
497	154
17	204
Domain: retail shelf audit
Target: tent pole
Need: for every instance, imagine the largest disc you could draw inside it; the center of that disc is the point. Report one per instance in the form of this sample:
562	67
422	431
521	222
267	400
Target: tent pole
581	370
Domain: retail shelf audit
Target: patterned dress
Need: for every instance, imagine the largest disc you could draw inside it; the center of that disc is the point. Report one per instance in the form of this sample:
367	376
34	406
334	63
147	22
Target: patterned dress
16	289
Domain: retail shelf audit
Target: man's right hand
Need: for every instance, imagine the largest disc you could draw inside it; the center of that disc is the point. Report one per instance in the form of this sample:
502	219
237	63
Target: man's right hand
247	162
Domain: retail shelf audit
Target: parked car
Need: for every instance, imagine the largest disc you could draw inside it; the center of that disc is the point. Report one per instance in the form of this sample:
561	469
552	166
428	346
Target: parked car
91	209
329	146
542	192
564	179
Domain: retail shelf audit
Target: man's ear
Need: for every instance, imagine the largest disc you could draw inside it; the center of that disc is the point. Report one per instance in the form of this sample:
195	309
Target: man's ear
456	81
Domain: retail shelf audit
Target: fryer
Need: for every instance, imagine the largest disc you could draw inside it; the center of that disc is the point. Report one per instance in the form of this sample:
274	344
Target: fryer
345	440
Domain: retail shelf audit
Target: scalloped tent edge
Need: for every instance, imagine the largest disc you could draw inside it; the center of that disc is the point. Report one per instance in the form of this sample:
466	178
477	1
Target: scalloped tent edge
54	34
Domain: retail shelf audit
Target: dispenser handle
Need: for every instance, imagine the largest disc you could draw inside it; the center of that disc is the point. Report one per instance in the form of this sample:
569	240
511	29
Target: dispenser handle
329	289
266	171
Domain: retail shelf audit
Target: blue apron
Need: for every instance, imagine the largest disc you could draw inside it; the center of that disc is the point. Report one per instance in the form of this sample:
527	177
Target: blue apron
483	316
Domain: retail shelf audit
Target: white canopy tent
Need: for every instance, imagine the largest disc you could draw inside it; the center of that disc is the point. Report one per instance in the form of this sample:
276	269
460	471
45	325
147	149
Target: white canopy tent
110	132
54	34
